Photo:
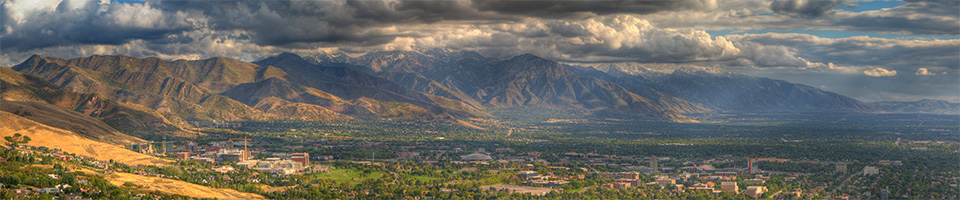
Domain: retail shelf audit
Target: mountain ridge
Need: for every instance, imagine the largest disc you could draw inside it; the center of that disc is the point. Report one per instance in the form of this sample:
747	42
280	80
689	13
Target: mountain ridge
931	106
426	85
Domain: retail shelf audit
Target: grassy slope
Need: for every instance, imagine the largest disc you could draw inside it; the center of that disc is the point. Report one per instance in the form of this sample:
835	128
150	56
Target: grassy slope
43	135
179	187
76	122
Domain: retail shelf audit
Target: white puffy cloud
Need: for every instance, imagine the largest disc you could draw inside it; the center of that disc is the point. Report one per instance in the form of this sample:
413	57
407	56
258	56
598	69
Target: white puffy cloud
924	72
598	38
878	72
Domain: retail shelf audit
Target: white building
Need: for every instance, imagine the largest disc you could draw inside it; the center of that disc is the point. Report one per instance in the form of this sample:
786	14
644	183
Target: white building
273	165
871	170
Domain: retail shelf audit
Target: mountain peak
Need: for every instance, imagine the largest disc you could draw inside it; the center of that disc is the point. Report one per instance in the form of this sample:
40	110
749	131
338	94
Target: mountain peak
527	56
288	55
35	56
705	71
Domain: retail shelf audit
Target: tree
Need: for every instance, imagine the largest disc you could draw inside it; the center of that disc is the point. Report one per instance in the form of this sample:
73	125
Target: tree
17	139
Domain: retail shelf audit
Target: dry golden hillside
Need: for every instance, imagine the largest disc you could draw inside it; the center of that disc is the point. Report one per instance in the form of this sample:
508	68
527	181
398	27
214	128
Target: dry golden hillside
43	135
179	187
69	120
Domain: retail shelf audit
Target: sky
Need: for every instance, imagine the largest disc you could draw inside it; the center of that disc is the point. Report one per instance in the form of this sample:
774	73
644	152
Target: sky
869	50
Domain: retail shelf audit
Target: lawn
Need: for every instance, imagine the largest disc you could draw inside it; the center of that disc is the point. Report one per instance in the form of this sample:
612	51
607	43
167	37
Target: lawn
349	175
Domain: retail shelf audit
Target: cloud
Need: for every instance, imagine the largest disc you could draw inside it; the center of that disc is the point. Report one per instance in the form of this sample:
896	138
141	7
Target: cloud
32	24
924	72
912	17
561	9
644	31
897	54
805	8
878	72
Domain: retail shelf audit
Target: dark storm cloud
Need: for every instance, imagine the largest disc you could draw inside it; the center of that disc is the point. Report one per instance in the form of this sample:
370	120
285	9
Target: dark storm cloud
914	17
70	23
805	8
297	22
932	17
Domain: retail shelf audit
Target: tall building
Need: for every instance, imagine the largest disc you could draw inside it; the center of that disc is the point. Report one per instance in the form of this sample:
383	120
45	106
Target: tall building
654	164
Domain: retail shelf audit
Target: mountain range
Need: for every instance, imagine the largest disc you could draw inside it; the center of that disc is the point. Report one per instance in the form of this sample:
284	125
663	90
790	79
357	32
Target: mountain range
921	106
437	85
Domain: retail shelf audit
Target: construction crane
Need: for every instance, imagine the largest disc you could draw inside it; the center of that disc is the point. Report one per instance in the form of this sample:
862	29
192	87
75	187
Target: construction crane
245	152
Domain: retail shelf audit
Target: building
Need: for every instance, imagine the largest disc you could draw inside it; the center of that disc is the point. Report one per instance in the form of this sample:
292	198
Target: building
527	174
640	169
202	159
303	158
537	191
841	167
223	169
664	182
871	170
755	191
476	157
546	183
229	155
623	175
796	193
730	187
408	154
50	190
755	181
701	187
231	158
631	182
654	163
617	185
183	155
274	165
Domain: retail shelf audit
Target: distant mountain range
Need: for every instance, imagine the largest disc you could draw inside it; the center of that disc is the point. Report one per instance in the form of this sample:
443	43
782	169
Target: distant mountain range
431	86
922	106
